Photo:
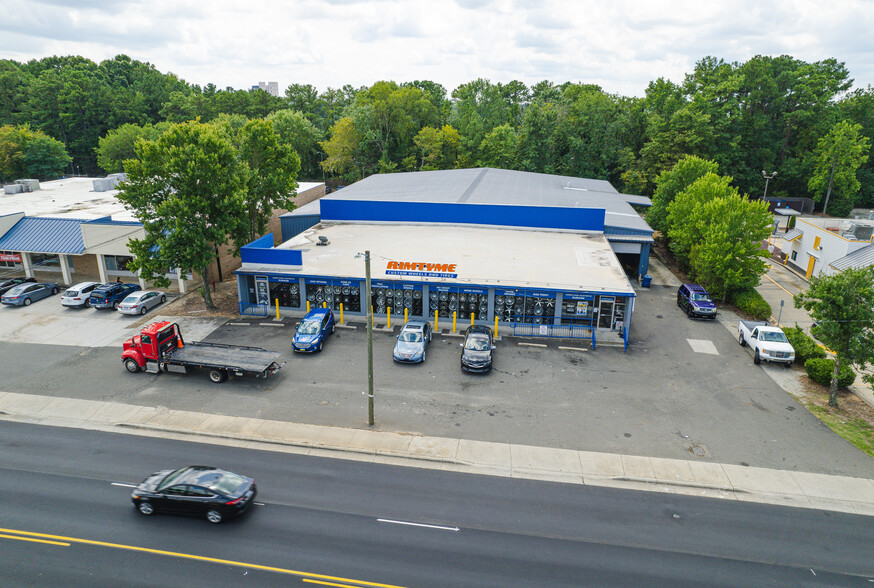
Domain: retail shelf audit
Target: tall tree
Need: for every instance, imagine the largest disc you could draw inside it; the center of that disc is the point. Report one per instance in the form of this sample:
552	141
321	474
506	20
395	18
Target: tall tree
296	131
187	190
25	153
684	231
838	156
843	307
118	144
670	183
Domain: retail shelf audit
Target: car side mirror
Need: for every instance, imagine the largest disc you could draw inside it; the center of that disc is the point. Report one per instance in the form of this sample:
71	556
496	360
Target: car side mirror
493	347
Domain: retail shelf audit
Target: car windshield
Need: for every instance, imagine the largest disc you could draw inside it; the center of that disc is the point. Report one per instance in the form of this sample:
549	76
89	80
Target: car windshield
172	477
130	300
775	337
411	337
477	343
309	327
698	297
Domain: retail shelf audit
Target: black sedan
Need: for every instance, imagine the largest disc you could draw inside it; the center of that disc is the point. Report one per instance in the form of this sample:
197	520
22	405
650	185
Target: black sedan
476	351
7	285
196	490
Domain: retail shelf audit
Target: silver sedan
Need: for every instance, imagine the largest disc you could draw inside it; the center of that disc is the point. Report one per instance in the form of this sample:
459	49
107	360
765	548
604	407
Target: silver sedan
141	302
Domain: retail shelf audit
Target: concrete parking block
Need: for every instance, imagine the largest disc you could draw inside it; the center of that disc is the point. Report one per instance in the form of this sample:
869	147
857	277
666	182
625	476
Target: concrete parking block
70	409
835	487
484	453
394	443
635	466
434	447
677	470
763	480
600	464
709	473
111	413
27	404
527	457
216	423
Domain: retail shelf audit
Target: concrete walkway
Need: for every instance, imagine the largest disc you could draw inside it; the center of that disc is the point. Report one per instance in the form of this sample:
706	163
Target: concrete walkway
694	478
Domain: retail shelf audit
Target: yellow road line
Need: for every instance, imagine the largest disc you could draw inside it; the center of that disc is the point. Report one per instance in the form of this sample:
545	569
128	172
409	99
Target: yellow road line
35	540
327	583
778	285
196	558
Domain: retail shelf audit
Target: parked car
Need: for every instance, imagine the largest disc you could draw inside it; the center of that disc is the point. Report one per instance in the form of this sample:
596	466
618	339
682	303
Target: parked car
476	351
196	490
79	295
695	300
141	302
412	341
6	285
312	331
27	293
111	294
768	343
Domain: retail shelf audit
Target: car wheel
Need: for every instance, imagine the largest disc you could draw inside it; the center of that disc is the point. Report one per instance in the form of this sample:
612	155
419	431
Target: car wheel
740	339
115	305
163	299
757	360
146	508
319	348
27	301
423	357
214	516
333	327
678	301
786	365
54	291
689	311
217	376
131	365
143	310
87	303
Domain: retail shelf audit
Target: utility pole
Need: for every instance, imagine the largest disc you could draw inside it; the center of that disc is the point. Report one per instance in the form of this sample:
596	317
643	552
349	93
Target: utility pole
368	302
768	178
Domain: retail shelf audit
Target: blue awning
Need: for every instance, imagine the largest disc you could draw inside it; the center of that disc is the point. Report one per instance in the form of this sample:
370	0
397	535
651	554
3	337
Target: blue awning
45	235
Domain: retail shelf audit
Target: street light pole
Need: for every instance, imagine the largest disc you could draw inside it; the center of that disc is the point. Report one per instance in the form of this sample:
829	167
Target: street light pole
369	304
768	178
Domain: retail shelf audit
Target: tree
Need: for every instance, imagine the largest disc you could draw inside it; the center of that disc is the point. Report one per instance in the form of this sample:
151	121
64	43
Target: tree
187	190
498	148
271	180
670	183
343	150
729	257
838	156
296	131
843	307
25	153
118	144
683	229
429	142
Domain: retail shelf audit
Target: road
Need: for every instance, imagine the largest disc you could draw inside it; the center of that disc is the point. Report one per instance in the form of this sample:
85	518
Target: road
344	523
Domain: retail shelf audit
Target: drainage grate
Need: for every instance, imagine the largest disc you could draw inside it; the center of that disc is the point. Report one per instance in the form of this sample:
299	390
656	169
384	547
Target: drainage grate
698	451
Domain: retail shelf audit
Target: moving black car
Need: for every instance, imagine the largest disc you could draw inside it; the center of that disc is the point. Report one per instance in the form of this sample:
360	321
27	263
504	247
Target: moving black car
6	285
196	490
476	351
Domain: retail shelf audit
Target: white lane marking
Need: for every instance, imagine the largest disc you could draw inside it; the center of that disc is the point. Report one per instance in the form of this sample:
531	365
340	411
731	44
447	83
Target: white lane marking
258	503
123	485
455	529
531	345
703	346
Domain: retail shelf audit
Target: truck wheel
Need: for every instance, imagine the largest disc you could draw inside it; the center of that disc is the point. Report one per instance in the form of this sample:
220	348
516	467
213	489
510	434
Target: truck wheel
786	365
218	376
757	360
131	365
740	339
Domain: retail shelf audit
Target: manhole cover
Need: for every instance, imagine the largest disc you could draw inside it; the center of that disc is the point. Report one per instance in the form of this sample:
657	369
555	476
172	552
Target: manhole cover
659	316
698	451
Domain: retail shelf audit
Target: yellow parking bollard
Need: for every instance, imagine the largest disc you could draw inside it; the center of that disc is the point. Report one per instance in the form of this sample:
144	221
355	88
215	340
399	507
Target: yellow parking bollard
435	320
341	313
406	315
308	306
471	319
454	313
324	305
388	316
371	316
277	309
496	326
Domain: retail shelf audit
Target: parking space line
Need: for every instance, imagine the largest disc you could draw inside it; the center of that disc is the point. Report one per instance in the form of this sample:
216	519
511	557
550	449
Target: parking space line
565	348
521	344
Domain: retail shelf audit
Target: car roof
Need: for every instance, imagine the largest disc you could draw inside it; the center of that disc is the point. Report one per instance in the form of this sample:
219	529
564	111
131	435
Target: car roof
81	285
695	287
414	326
478	330
316	313
199	474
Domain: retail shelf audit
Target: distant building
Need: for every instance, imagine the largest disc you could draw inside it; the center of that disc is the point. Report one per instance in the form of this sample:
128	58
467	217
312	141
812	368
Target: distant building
271	88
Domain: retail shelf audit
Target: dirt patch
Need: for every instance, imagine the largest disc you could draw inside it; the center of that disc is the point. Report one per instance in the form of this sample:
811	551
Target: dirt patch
850	406
192	304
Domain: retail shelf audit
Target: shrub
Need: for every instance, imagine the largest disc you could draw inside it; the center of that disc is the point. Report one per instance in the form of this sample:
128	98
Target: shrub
805	347
820	371
752	303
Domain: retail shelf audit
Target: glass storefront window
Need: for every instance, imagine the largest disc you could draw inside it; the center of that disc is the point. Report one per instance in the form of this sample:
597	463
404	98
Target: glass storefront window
398	297
288	294
333	293
576	309
464	301
115	263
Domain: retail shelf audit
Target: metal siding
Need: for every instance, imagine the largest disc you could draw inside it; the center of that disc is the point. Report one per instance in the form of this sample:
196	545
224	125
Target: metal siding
45	235
295	225
858	259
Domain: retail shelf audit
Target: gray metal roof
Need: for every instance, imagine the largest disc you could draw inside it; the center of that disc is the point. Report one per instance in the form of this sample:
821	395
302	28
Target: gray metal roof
311	208
44	235
858	259
792	234
499	186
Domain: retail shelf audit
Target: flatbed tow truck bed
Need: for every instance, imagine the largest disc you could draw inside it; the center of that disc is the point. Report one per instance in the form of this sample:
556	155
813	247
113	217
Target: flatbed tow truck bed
230	357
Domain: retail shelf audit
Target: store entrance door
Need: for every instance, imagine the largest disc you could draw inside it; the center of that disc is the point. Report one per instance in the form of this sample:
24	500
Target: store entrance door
605	312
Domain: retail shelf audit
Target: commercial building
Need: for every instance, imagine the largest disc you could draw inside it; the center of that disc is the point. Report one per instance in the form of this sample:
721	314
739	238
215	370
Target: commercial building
820	245
542	255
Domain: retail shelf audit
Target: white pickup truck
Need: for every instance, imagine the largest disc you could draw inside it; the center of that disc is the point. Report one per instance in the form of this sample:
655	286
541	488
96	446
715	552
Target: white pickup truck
767	343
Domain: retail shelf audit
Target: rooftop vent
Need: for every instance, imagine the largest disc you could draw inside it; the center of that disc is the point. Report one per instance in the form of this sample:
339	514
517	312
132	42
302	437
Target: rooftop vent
323	241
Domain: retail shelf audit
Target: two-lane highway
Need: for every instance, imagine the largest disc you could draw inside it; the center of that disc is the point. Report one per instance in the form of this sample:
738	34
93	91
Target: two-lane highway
66	519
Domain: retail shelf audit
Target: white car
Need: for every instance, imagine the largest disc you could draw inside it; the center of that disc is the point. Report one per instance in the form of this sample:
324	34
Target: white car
140	302
79	295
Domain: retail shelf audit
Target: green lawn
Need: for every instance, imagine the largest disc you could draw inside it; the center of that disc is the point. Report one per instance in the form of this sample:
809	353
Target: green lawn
856	431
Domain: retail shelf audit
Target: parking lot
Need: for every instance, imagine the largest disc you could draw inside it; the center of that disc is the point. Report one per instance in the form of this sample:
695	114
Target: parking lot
683	388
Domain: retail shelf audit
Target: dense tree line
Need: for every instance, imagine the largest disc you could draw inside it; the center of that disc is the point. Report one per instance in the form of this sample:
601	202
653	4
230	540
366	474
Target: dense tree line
770	113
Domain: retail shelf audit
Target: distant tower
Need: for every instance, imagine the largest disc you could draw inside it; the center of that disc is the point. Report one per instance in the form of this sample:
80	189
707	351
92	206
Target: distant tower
271	88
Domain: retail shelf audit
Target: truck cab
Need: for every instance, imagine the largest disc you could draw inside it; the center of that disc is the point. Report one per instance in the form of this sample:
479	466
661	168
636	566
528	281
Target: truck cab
151	345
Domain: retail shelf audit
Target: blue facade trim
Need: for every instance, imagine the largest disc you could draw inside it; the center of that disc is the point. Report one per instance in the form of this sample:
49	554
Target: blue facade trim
536	217
293	225
262	251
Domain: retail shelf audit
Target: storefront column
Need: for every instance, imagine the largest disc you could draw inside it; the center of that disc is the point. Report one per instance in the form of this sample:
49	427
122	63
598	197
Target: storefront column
180	280
101	267
28	266
141	280
65	269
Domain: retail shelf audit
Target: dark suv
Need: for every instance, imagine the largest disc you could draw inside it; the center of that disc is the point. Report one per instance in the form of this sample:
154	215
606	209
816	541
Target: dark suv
109	295
695	300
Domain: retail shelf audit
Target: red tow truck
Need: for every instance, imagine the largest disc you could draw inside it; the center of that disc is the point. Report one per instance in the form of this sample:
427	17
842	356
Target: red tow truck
159	347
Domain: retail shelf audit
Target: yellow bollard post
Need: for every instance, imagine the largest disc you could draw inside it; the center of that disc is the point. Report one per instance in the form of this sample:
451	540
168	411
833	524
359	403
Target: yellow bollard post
277	308
435	320
308	306
341	313
454	313
388	316
496	326
406	315
324	305
471	319
371	316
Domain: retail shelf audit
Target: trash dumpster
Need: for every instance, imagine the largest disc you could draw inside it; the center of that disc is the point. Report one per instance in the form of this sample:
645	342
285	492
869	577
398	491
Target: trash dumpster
645	281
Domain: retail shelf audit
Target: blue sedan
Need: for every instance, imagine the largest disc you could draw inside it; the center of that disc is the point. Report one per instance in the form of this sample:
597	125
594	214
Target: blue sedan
25	294
411	343
313	330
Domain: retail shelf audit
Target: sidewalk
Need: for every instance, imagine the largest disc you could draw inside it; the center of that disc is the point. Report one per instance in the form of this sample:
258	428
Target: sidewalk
693	478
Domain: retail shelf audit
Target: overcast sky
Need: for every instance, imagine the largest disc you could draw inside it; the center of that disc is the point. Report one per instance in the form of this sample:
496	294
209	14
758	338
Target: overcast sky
619	44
